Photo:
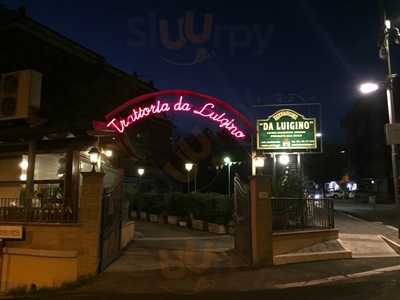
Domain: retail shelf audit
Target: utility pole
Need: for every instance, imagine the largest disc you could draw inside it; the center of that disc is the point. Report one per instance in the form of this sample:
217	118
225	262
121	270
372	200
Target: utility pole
391	110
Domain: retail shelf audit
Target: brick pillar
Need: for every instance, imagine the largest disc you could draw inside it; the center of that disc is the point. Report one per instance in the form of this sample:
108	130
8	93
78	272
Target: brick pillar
90	220
261	221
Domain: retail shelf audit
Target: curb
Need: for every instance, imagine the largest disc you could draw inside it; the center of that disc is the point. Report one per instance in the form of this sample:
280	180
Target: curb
395	246
310	257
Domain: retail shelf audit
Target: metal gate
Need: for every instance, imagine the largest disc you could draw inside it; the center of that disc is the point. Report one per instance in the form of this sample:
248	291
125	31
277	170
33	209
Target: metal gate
242	219
110	236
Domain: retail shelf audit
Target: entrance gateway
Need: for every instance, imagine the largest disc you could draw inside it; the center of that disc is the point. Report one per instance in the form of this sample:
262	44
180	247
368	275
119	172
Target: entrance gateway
190	103
284	131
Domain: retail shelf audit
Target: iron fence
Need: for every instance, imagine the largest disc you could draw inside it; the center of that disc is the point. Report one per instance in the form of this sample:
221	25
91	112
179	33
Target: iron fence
45	210
298	213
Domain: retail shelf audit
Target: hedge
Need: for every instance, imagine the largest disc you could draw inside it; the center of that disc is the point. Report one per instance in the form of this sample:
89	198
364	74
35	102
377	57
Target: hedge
209	207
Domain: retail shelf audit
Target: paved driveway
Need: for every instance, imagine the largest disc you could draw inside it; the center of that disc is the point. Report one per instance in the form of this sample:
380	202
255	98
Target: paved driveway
363	237
158	246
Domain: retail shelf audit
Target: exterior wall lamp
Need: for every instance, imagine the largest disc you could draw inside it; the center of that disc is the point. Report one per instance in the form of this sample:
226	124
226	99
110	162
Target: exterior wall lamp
94	157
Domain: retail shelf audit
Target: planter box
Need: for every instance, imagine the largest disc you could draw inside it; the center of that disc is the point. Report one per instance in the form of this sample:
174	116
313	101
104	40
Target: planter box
216	228
127	233
143	216
173	220
161	219
134	214
154	218
198	225
182	224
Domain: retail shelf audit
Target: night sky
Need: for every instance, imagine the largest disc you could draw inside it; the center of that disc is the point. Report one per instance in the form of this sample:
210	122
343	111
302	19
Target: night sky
257	51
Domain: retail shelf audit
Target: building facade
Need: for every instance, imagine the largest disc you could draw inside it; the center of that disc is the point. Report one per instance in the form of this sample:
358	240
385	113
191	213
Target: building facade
51	89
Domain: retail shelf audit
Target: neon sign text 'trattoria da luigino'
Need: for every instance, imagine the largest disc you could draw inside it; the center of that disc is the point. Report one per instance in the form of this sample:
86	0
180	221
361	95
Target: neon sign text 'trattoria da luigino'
206	110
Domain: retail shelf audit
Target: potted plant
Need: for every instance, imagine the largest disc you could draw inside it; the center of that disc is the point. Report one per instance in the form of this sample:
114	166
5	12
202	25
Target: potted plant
172	220
172	208
182	223
153	218
198	224
217	225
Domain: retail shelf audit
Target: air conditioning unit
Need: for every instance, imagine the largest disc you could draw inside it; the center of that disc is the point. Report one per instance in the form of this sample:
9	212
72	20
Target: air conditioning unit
20	94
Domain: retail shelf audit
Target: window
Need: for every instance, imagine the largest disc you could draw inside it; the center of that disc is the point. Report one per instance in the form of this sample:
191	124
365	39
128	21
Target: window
50	166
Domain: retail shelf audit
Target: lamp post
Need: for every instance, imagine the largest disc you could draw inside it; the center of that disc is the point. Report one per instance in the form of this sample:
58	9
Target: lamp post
392	118
140	172
195	177
370	87
188	167
228	163
94	157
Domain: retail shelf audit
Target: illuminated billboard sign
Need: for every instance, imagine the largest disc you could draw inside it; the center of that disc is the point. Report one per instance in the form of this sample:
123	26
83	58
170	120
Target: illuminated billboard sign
288	130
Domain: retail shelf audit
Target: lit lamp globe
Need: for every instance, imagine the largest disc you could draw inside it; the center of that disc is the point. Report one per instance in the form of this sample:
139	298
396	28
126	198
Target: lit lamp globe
368	87
140	172
227	160
24	164
94	157
108	153
188	167
284	159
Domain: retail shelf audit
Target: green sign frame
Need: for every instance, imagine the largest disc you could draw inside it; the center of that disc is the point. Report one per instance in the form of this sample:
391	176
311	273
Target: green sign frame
287	130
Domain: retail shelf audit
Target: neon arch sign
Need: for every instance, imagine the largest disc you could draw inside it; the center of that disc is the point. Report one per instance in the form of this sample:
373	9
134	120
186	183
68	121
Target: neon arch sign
207	110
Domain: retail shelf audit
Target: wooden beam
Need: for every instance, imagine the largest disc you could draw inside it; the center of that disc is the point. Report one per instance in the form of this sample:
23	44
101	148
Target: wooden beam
30	173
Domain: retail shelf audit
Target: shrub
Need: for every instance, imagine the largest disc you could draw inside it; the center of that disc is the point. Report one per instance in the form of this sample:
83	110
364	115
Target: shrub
210	207
178	204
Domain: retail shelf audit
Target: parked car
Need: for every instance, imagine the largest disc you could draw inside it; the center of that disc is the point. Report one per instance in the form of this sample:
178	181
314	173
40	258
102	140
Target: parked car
335	194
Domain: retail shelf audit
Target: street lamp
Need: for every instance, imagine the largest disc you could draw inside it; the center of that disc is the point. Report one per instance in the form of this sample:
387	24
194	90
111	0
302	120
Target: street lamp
370	87
228	162
94	157
188	167
140	171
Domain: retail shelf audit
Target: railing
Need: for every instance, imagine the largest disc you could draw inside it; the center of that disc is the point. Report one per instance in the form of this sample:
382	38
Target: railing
241	200
298	213
45	210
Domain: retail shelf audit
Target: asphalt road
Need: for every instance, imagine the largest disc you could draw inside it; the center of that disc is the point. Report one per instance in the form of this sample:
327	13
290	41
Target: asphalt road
341	279
378	287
